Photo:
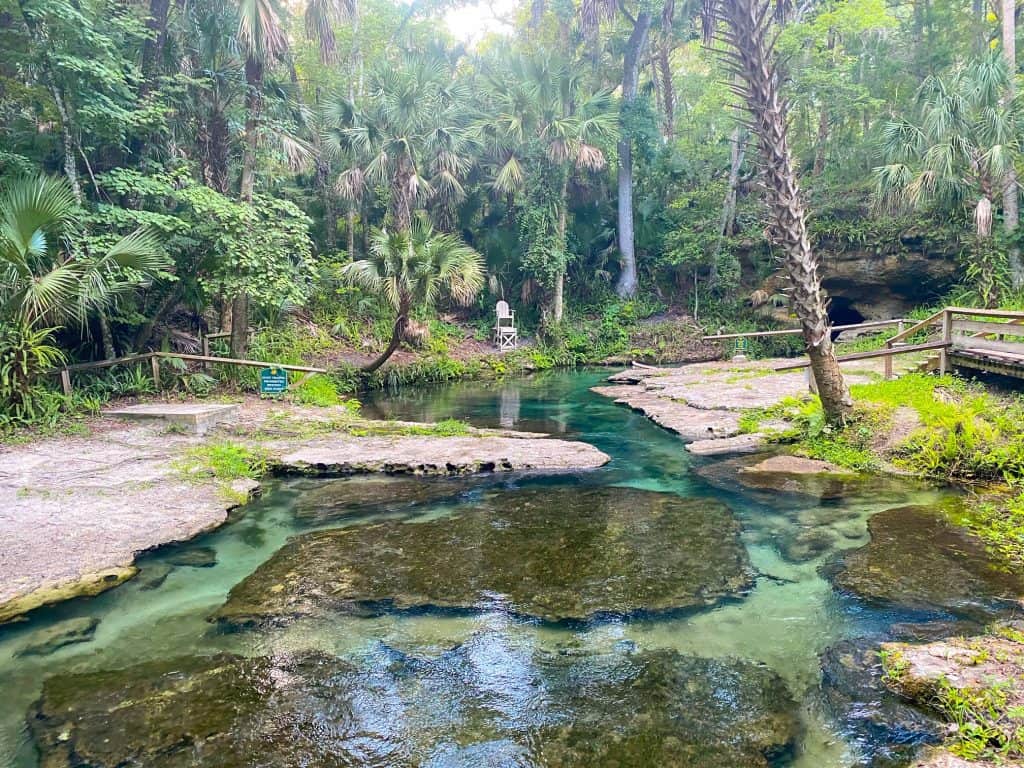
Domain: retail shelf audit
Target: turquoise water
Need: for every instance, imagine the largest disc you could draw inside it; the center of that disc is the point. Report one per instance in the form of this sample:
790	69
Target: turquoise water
789	617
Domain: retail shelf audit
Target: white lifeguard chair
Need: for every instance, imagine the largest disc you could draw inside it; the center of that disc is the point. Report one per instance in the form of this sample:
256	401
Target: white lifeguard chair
505	334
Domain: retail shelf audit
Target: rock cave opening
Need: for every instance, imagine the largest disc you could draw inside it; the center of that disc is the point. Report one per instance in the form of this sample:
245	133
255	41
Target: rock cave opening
842	312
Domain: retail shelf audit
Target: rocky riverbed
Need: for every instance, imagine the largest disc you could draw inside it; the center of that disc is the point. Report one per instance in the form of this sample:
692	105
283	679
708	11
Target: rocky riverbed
76	510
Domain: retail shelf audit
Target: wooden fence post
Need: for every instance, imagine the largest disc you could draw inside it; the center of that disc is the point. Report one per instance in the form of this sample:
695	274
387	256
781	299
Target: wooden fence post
154	362
204	341
888	361
947	338
65	382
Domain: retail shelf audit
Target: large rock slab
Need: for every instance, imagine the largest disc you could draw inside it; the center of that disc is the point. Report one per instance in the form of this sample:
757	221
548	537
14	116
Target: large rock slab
884	729
438	455
554	553
572	711
918	559
984	673
45	641
687	422
361	495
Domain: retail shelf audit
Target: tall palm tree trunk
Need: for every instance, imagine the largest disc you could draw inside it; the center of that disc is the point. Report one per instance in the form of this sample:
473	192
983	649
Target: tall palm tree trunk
627	284
1011	215
752	58
253	104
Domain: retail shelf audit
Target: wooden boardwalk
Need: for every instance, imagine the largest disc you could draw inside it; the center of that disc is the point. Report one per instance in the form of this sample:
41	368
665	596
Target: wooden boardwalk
990	340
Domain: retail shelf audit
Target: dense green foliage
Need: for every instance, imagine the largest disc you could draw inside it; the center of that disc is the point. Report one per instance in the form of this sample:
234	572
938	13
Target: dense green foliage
252	150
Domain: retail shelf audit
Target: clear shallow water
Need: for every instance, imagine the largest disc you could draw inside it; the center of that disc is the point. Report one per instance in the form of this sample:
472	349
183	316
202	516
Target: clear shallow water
790	616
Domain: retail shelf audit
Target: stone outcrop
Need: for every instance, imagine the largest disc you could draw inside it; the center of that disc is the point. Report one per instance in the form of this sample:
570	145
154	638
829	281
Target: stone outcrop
75	511
554	553
631	710
918	559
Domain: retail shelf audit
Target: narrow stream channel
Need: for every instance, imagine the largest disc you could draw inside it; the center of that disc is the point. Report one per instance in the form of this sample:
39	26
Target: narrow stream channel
782	618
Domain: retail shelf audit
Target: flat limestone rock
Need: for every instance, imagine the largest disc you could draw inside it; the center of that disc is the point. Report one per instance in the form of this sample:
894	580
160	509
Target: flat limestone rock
551	709
555	553
973	667
917	559
342	498
748	443
793	465
439	455
689	423
885	729
45	641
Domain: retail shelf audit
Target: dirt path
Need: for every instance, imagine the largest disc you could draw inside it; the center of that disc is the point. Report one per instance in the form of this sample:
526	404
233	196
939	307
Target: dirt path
75	511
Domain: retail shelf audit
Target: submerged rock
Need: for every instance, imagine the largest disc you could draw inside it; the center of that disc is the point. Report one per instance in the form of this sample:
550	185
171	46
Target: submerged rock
556	553
45	641
885	731
484	703
195	557
347	497
917	559
153	575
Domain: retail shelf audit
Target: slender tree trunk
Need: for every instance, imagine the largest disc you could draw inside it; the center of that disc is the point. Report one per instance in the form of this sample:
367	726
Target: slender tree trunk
558	300
1011	216
153	47
68	142
627	285
748	22
107	337
401	197
738	150
823	117
397	334
668	91
253	105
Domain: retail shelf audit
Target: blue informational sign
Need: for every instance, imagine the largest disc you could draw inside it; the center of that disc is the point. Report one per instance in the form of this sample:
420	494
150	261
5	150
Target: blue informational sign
273	381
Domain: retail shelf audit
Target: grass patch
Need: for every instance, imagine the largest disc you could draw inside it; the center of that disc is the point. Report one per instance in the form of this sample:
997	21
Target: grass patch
225	461
1000	523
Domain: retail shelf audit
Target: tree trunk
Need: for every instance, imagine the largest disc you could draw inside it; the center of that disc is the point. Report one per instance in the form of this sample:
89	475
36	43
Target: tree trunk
823	117
239	325
558	298
401	197
68	142
253	104
1011	216
107	337
350	224
397	334
153	47
748	22
627	284
668	91
738	145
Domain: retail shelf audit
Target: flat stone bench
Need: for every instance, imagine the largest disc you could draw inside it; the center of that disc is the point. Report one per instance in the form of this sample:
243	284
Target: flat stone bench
196	417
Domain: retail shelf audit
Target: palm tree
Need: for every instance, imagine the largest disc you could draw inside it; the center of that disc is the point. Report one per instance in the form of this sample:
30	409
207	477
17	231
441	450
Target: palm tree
45	283
262	38
541	125
960	150
411	269
408	136
746	28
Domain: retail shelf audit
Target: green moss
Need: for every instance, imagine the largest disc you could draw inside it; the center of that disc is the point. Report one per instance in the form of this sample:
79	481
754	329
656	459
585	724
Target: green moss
999	522
225	461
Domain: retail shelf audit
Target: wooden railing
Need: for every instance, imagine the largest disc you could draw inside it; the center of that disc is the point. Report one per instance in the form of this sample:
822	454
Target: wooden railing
154	361
962	336
899	322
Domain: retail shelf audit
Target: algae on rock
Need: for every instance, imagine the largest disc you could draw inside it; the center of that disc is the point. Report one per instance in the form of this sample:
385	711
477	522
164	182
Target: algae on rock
920	560
550	709
554	552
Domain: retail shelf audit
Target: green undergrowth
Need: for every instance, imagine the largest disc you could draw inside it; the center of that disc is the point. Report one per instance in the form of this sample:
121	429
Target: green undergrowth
988	725
956	432
283	424
225	462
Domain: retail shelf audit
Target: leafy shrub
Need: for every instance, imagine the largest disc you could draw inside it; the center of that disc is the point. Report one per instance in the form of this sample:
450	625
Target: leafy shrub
26	356
319	391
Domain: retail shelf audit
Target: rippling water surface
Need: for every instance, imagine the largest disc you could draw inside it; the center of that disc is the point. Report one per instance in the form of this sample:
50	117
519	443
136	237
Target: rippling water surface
656	594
